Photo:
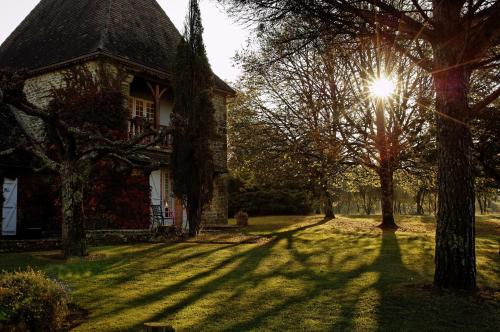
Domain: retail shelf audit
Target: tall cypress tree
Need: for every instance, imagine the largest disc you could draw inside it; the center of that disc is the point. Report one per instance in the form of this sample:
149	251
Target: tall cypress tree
193	116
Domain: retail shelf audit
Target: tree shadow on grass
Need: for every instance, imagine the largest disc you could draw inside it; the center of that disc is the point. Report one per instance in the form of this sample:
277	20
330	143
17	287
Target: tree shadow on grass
243	278
308	283
334	282
379	294
247	261
250	259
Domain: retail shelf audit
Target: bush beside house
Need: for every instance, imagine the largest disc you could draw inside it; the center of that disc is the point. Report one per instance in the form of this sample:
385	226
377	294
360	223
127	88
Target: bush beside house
29	301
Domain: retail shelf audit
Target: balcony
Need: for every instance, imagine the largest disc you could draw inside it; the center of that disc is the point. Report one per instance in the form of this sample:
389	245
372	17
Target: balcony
138	125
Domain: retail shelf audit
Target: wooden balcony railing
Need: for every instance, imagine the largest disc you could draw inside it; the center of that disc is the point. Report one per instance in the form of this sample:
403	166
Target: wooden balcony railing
167	137
138	125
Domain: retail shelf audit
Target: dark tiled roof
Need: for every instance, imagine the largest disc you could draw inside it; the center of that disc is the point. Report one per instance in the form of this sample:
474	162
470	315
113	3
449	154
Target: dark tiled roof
57	31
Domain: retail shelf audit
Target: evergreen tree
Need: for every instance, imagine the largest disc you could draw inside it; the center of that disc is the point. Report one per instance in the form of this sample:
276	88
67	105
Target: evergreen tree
193	116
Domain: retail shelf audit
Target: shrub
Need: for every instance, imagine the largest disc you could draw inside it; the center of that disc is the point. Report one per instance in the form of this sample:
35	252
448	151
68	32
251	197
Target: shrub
31	299
258	202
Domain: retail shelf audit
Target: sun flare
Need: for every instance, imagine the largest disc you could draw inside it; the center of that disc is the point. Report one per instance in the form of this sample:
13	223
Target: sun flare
381	87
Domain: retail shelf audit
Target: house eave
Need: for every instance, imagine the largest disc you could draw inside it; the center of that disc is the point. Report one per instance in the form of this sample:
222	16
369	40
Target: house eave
135	66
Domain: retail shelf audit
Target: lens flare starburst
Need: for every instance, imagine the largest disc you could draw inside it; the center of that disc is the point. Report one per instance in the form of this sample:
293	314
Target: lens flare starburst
382	87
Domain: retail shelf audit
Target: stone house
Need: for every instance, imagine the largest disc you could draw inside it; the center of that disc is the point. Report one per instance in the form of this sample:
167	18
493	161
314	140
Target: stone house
135	35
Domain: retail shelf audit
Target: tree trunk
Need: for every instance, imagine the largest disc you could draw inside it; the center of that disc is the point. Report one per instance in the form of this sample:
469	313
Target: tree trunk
369	206
2	198
73	232
386	198
385	171
328	206
481	208
366	205
420	201
455	244
194	214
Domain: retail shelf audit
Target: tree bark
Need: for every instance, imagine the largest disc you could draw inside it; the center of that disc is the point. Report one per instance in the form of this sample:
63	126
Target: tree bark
194	214
481	208
73	231
367	203
348	204
455	243
2	198
385	170
420	201
328	206
386	198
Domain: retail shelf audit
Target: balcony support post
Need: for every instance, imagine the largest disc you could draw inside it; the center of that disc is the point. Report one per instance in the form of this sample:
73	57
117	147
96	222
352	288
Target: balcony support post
157	93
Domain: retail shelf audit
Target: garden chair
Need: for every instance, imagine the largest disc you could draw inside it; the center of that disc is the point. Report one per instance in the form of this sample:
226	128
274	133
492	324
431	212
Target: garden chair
158	218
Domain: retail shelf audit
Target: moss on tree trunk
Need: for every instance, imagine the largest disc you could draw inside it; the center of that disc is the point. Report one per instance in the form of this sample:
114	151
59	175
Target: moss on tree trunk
73	231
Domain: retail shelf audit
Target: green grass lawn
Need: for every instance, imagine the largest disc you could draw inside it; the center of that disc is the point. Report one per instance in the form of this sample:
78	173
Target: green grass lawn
310	275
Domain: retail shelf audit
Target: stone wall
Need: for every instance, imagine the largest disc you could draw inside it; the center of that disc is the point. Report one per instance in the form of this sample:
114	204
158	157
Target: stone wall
94	238
216	212
219	144
118	236
10	246
37	90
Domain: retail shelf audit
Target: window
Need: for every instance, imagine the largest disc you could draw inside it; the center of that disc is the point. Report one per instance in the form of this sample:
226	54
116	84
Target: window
150	111
139	108
130	106
142	108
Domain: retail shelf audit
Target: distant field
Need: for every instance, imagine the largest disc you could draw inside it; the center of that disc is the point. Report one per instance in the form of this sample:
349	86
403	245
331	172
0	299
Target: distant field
306	274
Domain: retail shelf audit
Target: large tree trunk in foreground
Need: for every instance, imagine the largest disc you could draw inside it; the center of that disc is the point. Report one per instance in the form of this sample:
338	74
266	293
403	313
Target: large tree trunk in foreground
455	243
73	232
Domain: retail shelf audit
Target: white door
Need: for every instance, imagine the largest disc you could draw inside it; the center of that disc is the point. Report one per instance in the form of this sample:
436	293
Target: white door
9	220
155	183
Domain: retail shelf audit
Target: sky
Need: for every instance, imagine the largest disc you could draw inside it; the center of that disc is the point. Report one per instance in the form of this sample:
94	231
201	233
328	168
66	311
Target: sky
223	36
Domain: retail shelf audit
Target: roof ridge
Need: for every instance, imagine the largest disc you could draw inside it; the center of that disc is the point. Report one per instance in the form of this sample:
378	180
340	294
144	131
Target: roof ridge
105	29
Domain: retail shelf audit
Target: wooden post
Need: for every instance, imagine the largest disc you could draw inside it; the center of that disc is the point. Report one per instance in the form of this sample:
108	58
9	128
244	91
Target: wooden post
158	327
178	212
157	94
157	105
